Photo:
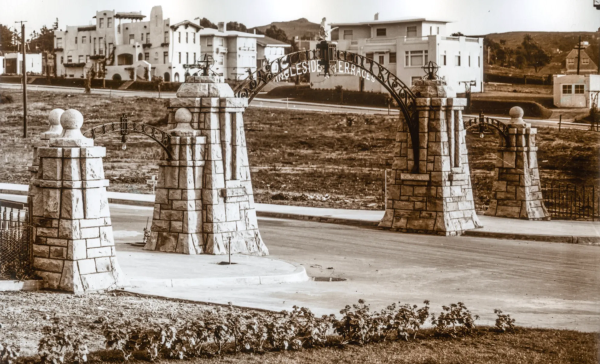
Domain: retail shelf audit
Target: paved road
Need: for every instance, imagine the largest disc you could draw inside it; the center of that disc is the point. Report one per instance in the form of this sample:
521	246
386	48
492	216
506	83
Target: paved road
541	284
275	104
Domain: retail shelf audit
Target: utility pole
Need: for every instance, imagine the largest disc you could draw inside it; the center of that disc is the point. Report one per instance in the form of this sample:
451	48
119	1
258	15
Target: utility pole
24	70
579	47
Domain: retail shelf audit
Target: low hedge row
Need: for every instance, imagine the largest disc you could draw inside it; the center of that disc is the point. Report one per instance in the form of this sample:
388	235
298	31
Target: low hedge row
305	93
529	80
151	86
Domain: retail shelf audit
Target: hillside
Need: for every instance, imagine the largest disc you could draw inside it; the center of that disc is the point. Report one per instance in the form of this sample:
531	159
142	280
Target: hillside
557	44
294	28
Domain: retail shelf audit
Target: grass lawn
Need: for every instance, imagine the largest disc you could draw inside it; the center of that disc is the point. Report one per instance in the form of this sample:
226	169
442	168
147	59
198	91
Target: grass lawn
300	158
24	314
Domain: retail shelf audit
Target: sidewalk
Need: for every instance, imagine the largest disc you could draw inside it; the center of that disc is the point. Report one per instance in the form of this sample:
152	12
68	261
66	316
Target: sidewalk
557	231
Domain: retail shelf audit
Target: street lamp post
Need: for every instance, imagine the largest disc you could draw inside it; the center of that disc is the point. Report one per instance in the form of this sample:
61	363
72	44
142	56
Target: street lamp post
24	70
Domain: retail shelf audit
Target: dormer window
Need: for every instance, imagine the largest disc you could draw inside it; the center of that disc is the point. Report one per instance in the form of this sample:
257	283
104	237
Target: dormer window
381	32
411	32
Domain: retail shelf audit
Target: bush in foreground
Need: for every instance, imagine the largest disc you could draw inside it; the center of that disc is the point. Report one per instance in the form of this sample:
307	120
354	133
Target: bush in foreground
226	331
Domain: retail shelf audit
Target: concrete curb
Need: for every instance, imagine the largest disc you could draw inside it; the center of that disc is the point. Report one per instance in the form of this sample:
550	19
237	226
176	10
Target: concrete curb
298	275
28	285
325	219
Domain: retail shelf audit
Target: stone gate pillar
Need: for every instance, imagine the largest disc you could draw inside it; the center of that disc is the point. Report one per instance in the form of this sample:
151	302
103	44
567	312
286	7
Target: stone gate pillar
204	199
73	248
439	198
517	190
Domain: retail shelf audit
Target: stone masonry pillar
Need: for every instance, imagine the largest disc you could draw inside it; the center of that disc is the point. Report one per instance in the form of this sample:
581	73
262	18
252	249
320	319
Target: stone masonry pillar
438	199
73	248
517	191
205	192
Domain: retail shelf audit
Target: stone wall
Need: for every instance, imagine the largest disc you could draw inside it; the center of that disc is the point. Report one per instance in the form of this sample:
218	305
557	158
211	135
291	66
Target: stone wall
206	191
439	198
73	248
517	191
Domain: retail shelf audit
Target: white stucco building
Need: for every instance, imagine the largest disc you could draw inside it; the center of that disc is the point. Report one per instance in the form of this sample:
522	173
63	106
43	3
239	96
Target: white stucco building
233	52
572	91
404	47
270	49
133	49
12	63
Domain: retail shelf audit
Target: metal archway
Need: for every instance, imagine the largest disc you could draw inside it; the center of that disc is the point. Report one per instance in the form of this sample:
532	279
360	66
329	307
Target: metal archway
124	127
398	90
482	122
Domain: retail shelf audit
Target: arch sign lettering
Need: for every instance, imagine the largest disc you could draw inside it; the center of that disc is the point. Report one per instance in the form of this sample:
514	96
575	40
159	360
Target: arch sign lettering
313	66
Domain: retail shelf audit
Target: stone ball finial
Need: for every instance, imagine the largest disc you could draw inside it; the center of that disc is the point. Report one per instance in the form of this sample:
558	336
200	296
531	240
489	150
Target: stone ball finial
54	117
516	116
183	115
71	120
55	127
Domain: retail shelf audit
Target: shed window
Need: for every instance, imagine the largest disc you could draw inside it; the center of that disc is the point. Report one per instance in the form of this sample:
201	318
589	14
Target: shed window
567	89
579	89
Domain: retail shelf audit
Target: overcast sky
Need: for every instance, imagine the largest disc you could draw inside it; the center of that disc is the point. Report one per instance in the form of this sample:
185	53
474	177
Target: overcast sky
468	16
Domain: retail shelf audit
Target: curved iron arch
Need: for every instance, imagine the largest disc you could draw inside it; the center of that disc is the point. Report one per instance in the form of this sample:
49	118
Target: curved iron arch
124	127
501	127
398	90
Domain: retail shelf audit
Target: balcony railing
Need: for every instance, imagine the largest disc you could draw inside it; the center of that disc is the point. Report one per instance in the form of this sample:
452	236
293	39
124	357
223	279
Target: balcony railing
221	50
381	40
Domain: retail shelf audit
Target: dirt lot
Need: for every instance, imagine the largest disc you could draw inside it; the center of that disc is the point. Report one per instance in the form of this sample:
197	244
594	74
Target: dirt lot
300	158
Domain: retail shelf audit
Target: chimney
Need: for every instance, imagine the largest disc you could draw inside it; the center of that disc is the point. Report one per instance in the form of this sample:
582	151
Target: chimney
376	16
221	26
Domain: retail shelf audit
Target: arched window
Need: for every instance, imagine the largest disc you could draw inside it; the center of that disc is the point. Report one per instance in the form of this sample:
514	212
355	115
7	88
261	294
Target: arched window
176	78
167	77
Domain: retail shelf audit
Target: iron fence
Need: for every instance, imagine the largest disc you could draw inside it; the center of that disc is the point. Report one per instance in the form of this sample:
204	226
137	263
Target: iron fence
572	202
15	240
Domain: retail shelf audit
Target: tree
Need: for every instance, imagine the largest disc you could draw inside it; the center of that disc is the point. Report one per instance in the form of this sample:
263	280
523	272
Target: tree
6	39
233	25
42	40
533	54
208	24
276	33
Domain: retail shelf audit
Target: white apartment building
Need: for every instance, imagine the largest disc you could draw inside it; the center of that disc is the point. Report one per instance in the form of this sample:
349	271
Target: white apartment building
233	52
269	49
132	48
404	47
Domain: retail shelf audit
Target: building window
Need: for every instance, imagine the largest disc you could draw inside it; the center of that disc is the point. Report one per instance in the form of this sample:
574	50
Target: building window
348	34
180	57
438	30
457	60
80	59
209	42
194	38
95	46
411	31
415	58
369	55
165	57
443	60
87	59
381	59
579	89
62	60
585	61
194	57
187	37
392	57
75	40
147	56
220	61
381	32
187	57
179	33
101	23
58	42
101	45
478	61
131	38
570	61
109	22
142	37
469	60
83	39
147	38
166	40
567	89
221	42
69	59
431	30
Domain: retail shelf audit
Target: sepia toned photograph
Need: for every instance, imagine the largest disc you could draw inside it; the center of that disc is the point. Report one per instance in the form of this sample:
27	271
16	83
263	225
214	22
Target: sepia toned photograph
324	181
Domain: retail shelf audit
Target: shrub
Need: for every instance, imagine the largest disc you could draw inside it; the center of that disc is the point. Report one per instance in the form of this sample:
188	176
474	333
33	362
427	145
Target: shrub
6	99
9	353
57	344
504	322
454	321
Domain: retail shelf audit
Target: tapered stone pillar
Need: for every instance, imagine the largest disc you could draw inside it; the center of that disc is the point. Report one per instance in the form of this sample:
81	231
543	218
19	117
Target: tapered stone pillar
204	199
517	191
439	198
73	248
